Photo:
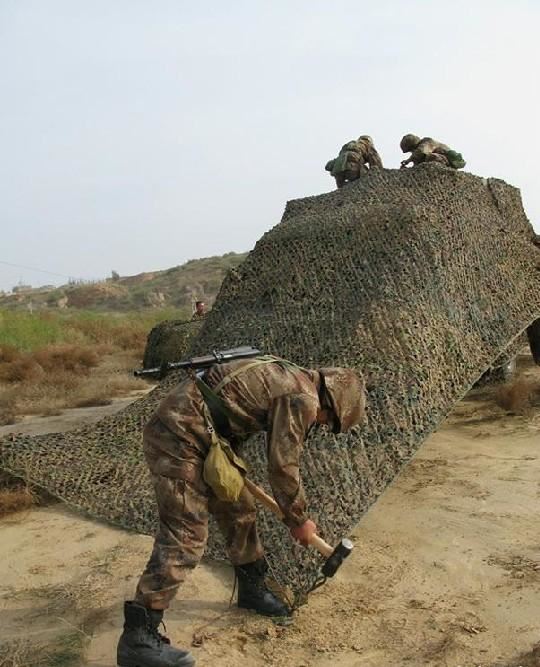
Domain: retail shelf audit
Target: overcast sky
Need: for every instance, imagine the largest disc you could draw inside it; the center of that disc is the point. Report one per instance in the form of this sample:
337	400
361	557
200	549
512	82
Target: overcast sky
137	134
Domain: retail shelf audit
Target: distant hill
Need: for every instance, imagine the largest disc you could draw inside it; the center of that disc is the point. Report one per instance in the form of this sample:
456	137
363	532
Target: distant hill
178	287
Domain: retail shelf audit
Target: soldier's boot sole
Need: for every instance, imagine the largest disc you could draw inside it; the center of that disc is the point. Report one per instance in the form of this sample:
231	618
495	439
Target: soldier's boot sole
276	611
129	658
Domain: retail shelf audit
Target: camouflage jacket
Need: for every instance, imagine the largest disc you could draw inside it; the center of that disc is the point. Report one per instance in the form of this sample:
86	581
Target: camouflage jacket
278	400
369	153
426	146
353	154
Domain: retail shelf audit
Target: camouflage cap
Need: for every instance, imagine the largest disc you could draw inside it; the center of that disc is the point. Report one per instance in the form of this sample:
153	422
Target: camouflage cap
366	139
346	393
409	142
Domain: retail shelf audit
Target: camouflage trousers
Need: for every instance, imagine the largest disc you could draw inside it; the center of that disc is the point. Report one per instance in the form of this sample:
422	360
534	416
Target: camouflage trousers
184	503
351	174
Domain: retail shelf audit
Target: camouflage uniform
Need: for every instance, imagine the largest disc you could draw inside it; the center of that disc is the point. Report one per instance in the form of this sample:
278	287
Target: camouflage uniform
351	162
424	150
280	400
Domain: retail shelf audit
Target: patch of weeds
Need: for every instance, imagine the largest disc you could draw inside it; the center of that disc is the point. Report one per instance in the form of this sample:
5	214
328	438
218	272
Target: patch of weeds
15	495
68	650
63	651
518	396
92	402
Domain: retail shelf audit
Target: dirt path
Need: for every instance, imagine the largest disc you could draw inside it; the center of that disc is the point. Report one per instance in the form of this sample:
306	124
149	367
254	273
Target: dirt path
446	571
70	418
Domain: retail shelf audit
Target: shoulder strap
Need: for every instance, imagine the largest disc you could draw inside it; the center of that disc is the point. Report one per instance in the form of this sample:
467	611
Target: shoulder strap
217	406
259	361
219	412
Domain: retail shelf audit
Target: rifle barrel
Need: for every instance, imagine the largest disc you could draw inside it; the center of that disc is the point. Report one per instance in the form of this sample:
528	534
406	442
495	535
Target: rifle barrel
217	357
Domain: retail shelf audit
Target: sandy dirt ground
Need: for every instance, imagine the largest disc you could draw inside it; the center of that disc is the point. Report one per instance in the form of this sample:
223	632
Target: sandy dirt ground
446	569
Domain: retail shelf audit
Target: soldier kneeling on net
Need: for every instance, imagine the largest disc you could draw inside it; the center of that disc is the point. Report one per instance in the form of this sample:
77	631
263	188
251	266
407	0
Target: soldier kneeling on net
353	160
429	150
220	408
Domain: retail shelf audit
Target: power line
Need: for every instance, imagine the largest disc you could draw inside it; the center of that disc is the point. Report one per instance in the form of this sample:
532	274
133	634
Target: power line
32	268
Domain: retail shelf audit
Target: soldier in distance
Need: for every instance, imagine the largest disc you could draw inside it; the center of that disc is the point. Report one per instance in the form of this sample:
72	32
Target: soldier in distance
261	394
200	311
354	160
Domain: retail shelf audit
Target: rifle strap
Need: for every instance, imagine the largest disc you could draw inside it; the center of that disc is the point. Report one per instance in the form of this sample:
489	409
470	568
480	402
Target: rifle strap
220	412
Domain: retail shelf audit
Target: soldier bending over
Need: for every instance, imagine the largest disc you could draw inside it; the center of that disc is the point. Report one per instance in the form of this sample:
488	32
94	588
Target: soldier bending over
351	162
429	150
261	394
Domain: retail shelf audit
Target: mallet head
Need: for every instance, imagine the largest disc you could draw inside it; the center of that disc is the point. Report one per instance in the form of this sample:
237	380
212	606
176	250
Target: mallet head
340	553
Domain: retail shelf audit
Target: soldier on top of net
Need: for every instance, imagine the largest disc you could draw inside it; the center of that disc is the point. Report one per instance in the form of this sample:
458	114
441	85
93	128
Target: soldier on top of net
223	407
429	150
353	160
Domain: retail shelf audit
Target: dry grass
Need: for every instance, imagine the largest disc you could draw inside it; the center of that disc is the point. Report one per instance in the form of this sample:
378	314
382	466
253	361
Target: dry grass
88	594
50	379
64	651
15	500
92	402
15	495
72	358
80	606
8	353
8	407
22	369
32	366
518	396
53	361
65	599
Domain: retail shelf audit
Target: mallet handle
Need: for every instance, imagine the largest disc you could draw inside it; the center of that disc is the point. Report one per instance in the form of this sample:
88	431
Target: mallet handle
322	547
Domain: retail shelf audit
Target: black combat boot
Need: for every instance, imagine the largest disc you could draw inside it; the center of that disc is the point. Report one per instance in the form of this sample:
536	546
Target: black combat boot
253	593
141	645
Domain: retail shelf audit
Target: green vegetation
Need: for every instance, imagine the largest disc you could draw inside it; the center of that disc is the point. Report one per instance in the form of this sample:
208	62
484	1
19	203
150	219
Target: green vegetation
27	332
52	360
76	345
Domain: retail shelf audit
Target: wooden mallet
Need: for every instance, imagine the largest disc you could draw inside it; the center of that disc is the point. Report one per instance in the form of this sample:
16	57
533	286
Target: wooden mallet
334	555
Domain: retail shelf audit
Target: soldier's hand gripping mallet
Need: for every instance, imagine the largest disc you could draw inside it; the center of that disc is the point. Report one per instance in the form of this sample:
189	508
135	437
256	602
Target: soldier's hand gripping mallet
334	555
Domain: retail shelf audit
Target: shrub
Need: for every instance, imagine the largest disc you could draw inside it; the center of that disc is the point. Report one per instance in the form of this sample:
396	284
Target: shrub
517	396
8	353
23	369
32	367
72	358
15	495
134	340
8	411
47	362
15	500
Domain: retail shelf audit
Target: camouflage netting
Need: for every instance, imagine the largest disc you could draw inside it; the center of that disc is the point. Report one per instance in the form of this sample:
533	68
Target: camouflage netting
420	278
170	341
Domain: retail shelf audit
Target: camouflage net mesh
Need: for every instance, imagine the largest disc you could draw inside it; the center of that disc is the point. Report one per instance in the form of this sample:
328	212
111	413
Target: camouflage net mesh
419	278
170	341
